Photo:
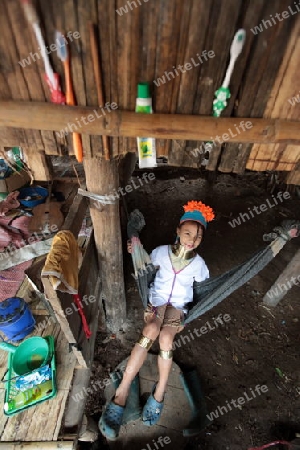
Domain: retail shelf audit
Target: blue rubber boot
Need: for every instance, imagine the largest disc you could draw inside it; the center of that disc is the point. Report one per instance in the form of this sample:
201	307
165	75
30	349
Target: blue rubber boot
111	420
192	388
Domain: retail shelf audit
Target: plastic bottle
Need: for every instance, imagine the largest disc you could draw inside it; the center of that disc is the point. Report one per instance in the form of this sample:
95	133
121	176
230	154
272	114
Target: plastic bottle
146	145
17	157
28	396
14	156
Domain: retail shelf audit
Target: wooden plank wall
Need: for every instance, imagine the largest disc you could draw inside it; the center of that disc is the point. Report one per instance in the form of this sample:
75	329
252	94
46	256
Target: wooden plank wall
287	86
263	55
140	45
17	41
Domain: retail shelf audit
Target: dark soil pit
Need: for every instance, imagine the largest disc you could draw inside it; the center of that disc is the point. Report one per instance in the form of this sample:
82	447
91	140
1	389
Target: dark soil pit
257	345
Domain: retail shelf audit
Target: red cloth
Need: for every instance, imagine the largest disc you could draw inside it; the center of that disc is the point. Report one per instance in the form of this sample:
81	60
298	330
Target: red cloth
86	328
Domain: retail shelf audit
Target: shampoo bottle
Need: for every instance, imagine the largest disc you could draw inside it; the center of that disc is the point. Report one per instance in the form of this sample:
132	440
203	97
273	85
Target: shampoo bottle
28	396
146	145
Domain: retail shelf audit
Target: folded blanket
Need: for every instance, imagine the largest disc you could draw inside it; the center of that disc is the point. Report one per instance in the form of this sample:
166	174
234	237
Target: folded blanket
62	263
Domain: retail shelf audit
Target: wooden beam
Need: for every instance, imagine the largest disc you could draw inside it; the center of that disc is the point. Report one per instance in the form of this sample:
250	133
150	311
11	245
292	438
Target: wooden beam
49	116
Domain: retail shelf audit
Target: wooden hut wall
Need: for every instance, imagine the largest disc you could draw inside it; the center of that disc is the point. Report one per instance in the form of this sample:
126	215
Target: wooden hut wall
282	105
141	45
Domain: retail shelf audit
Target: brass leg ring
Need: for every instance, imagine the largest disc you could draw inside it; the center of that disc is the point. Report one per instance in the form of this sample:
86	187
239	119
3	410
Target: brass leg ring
145	342
166	354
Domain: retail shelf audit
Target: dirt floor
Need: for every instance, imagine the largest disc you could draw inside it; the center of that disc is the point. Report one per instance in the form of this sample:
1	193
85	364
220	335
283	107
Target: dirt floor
258	345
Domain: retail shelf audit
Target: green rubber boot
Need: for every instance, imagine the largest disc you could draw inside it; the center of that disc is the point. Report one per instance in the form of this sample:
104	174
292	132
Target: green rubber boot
192	388
133	409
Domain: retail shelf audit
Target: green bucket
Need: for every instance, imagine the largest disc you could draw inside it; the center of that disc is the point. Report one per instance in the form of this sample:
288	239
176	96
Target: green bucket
31	354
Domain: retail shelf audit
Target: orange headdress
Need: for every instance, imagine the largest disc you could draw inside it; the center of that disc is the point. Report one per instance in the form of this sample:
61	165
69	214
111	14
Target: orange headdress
197	212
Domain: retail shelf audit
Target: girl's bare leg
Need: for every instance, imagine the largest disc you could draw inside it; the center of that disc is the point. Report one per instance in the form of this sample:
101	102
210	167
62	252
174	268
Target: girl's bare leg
166	338
135	362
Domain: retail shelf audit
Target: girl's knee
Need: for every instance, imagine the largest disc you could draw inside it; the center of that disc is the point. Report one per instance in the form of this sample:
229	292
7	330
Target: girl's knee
151	330
166	338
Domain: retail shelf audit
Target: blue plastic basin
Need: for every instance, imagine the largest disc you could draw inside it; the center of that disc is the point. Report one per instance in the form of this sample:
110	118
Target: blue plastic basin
38	195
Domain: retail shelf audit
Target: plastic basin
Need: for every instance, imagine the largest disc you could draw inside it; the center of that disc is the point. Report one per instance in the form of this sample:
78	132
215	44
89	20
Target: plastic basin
31	354
37	196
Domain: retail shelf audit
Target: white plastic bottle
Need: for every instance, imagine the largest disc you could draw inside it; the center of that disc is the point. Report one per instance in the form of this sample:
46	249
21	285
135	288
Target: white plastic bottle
146	145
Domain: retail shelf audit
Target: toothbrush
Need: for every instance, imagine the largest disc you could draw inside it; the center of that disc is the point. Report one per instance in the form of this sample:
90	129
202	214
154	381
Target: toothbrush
64	56
52	78
223	93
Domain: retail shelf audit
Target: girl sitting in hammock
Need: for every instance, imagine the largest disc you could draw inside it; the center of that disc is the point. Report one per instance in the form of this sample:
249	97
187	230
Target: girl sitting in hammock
179	266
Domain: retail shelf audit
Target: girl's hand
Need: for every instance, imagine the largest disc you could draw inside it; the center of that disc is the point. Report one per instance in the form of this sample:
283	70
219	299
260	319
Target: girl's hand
129	246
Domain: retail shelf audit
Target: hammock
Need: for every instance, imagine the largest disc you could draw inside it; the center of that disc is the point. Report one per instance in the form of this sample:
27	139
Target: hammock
212	291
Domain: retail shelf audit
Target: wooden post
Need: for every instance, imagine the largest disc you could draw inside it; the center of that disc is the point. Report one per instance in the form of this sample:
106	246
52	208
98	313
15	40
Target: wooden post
289	277
102	178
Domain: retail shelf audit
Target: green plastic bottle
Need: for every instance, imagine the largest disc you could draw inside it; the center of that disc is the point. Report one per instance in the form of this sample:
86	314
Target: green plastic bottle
25	397
146	145
15	157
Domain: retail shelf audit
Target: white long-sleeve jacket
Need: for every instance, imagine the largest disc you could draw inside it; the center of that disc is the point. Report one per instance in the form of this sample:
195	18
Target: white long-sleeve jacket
171	286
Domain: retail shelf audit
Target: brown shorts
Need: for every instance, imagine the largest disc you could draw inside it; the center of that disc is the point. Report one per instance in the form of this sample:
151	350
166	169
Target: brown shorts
167	314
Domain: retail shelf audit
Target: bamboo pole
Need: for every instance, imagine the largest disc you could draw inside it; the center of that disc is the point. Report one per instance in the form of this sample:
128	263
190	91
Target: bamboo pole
53	445
49	116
